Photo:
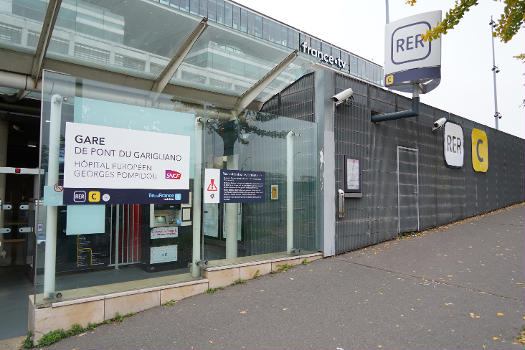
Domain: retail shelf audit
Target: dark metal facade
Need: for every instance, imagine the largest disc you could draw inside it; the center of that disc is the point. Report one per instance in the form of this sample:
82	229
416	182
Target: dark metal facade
424	193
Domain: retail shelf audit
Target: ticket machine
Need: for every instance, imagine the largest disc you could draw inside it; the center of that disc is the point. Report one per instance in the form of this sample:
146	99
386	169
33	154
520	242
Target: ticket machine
167	244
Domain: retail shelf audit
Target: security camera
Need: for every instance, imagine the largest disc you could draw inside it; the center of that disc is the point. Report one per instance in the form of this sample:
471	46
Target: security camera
343	96
438	124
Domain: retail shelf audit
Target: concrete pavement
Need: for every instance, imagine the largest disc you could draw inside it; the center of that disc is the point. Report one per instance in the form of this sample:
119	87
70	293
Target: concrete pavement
457	287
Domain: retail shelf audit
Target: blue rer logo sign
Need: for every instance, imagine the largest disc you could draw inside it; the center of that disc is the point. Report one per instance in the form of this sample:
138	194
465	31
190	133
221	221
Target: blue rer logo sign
407	43
408	58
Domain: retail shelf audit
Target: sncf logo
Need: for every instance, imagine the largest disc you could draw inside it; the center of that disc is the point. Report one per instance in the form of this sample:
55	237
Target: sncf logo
172	175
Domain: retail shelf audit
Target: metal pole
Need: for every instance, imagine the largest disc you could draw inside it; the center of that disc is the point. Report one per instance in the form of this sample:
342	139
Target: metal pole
117	228
289	191
52	178
494	71
387	12
197	193
232	209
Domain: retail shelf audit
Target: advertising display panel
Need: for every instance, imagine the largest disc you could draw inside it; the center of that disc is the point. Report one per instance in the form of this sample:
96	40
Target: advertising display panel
106	165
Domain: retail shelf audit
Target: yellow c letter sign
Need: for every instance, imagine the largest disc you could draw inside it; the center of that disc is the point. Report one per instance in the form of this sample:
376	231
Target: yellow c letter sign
480	151
389	80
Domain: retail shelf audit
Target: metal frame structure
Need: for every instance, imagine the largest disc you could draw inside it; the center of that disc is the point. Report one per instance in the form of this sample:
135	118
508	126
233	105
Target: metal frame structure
169	71
45	37
251	94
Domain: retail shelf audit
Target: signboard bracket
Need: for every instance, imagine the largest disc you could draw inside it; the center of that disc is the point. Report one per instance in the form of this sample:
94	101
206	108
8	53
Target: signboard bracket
401	114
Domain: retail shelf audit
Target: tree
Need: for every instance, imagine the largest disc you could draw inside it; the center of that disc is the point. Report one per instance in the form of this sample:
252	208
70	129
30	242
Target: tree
506	27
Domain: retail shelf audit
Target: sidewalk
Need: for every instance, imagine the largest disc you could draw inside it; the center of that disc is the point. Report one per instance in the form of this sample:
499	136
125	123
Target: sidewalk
458	287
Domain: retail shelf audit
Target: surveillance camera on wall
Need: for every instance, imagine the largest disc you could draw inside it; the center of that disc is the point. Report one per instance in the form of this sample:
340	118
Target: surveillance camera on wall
343	96
438	124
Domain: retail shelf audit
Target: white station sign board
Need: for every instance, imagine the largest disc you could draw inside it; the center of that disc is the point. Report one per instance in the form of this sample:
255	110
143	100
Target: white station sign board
409	59
453	145
109	165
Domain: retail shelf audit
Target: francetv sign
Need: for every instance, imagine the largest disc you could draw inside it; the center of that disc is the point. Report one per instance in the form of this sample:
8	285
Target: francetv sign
408	58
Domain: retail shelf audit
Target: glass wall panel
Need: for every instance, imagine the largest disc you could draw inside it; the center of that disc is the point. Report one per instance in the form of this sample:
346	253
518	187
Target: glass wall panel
228	14
236	17
185	5
103	142
361	70
109	237
235	233
203	8
266	28
238	60
293	39
212	10
353	65
244	20
108	35
18	17
220	11
194	7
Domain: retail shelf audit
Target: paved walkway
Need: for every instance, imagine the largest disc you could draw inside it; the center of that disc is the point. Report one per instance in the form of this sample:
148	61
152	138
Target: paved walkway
458	287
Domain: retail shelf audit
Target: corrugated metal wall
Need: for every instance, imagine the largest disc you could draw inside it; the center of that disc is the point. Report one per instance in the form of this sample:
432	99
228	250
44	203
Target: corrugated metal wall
444	194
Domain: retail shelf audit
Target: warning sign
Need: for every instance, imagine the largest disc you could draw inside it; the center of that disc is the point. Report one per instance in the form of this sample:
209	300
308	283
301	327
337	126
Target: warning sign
275	192
234	186
211	186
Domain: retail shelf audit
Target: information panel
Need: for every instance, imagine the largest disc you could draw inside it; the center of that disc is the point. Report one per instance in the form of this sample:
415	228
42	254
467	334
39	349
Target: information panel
242	186
352	175
233	186
113	165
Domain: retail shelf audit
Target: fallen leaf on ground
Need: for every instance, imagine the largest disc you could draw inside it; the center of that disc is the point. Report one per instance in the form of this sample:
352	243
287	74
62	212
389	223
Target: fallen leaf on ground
495	338
448	304
243	312
285	308
291	278
500	314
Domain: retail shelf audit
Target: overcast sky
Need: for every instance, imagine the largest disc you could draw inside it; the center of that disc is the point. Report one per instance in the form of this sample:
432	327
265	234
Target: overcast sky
466	87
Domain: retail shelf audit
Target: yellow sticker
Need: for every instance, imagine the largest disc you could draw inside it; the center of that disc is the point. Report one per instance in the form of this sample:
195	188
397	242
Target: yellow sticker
389	80
480	151
94	196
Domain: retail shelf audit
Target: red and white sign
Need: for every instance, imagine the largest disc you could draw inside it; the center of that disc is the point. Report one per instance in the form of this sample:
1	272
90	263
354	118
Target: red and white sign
164	232
212	185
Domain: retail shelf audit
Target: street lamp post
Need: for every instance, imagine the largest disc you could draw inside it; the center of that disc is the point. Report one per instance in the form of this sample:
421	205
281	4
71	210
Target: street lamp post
495	70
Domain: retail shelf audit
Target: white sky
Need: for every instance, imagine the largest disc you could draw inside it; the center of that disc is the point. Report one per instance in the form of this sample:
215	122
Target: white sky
466	87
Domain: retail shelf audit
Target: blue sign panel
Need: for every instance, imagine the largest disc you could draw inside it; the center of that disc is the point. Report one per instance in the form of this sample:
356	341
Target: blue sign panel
242	186
124	196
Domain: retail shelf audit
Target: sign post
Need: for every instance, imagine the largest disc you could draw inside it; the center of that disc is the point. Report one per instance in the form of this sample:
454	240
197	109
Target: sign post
408	59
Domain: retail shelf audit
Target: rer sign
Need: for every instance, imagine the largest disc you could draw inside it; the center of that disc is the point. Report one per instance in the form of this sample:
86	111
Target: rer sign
453	145
409	59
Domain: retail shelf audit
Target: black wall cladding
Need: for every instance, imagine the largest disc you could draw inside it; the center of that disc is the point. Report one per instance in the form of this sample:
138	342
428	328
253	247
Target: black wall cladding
444	194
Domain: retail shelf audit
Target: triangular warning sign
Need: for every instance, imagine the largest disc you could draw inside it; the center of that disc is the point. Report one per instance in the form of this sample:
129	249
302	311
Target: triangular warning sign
211	186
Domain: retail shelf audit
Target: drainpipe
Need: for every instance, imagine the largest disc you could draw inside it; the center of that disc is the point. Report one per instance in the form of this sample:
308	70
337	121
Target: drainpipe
52	179
231	215
289	191
402	114
197	195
